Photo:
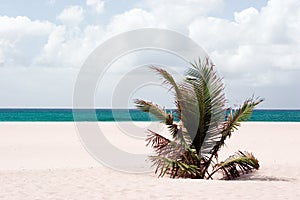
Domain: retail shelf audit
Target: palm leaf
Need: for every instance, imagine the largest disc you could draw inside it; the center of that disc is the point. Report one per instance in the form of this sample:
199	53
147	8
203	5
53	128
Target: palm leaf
240	163
208	93
164	147
156	140
169	80
155	110
173	157
174	168
236	116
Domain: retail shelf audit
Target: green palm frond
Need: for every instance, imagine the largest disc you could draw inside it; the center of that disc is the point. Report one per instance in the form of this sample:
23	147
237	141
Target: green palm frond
174	168
243	113
208	93
171	148
156	140
169	80
240	163
155	110
234	118
173	157
163	116
165	147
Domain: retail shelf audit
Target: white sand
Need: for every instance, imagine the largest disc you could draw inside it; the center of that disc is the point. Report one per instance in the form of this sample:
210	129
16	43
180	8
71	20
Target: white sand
47	161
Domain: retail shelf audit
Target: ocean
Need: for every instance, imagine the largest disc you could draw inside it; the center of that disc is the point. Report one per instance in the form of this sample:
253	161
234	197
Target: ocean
56	115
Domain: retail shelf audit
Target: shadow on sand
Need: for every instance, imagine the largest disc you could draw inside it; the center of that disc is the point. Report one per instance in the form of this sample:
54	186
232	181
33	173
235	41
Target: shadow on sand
259	177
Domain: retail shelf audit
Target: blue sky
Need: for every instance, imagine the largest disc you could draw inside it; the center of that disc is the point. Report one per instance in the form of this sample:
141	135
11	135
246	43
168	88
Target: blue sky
48	10
43	43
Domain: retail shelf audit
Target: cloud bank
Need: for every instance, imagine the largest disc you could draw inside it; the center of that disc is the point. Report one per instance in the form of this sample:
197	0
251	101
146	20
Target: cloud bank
259	50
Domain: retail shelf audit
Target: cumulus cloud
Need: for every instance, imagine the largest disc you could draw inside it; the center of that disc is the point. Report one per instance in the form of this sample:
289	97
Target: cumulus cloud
71	15
245	16
170	14
132	19
255	42
258	51
51	2
14	27
25	43
21	39
259	48
177	14
35	55
97	5
69	47
181	9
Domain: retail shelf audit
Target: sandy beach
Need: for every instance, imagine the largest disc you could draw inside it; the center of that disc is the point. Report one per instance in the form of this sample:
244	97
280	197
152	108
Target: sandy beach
46	160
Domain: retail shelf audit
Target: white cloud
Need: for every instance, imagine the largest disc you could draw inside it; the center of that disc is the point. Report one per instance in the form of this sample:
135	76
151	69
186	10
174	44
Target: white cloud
52	50
1	57
179	8
14	27
39	61
214	33
21	39
26	43
97	5
256	42
171	14
258	51
51	2
177	14
260	48
69	47
245	16
71	15
132	19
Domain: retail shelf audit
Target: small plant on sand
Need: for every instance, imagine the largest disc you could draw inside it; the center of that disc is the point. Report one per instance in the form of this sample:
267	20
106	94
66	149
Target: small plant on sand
203	125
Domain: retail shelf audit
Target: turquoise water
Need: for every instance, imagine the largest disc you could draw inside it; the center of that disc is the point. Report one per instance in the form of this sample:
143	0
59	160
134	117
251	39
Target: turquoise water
123	115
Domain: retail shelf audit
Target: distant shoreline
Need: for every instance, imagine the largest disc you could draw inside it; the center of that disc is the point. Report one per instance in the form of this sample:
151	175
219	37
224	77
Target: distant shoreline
106	108
67	114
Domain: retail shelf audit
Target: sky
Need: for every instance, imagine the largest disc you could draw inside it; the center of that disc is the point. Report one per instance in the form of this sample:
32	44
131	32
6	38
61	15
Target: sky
254	44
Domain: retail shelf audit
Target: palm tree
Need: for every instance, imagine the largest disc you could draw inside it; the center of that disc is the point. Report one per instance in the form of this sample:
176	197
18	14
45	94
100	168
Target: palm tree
201	130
